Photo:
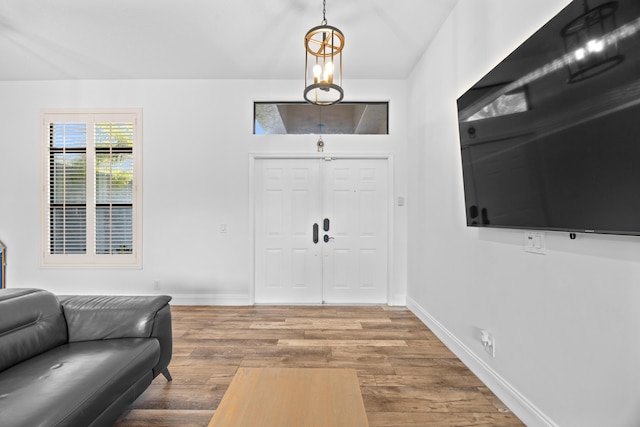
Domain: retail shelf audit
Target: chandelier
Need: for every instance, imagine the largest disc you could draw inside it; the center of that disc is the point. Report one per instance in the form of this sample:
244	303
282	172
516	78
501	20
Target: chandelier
323	63
590	42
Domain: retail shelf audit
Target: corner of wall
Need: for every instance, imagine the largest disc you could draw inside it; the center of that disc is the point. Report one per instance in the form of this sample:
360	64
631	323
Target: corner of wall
516	402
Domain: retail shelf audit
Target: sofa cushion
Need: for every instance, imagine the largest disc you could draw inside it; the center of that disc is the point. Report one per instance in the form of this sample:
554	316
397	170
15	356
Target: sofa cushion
71	384
31	322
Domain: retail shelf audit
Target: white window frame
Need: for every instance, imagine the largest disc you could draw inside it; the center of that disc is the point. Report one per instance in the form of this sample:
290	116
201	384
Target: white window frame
91	259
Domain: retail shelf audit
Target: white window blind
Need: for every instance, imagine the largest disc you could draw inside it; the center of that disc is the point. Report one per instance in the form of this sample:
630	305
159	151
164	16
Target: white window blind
67	188
114	187
92	195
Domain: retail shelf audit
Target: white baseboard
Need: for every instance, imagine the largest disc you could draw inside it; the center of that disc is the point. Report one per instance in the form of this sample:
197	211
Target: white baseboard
210	299
240	299
516	402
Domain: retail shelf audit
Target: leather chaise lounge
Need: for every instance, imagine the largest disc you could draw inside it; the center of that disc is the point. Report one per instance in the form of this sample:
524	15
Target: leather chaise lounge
78	360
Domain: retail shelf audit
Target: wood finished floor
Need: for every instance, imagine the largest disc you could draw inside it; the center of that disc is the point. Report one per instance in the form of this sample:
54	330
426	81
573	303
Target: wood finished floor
407	376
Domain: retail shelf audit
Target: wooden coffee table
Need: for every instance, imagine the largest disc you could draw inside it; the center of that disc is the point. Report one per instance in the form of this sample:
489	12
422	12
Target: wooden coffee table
295	397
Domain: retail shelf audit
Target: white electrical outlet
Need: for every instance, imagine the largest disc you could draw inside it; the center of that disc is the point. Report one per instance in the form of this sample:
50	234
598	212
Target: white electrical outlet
156	285
488	342
535	242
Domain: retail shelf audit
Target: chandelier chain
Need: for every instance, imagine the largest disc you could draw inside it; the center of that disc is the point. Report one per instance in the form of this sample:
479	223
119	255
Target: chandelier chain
324	12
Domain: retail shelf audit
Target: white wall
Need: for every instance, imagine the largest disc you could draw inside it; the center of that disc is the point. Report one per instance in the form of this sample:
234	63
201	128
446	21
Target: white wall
197	144
566	323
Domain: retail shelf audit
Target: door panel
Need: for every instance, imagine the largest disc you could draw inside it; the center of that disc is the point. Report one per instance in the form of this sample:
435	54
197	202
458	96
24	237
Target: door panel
355	199
290	195
287	199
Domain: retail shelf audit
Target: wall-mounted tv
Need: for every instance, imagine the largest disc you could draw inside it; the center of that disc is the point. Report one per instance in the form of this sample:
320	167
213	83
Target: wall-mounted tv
550	138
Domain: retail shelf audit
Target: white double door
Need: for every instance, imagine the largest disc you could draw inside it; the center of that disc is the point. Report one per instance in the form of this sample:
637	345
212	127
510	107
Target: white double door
321	230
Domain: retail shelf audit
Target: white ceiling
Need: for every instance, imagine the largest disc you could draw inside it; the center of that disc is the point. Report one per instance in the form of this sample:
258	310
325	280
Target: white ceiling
219	39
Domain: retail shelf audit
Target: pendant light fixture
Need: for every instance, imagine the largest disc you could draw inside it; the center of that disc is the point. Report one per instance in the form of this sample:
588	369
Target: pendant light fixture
589	42
323	63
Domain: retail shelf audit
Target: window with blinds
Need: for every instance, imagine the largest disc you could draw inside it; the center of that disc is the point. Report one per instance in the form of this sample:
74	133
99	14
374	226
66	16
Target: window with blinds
92	188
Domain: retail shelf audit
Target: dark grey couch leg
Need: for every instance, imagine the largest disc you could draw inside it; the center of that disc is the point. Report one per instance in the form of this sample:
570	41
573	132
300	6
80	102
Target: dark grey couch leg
166	374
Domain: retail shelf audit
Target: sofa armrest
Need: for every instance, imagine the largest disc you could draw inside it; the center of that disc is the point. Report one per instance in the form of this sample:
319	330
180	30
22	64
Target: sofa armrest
163	332
99	317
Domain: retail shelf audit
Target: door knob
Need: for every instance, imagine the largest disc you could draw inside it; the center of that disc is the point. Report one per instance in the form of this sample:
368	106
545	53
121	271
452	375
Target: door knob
327	238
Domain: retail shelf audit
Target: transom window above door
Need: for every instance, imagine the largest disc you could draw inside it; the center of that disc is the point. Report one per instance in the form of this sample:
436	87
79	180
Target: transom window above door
347	118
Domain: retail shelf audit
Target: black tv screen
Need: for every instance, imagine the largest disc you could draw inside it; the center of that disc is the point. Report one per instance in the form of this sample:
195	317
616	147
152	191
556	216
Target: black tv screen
550	138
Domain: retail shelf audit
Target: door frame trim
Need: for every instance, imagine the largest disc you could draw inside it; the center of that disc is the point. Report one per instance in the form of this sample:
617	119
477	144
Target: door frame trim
253	156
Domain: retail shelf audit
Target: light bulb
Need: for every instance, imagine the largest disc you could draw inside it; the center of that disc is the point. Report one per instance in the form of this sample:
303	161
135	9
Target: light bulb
580	54
328	72
317	70
328	68
595	45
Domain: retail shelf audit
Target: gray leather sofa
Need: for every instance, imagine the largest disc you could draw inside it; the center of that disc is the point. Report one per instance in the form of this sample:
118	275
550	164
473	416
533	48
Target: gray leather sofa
78	360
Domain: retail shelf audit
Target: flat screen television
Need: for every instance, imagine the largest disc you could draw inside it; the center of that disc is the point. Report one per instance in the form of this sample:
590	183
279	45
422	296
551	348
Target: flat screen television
550	138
